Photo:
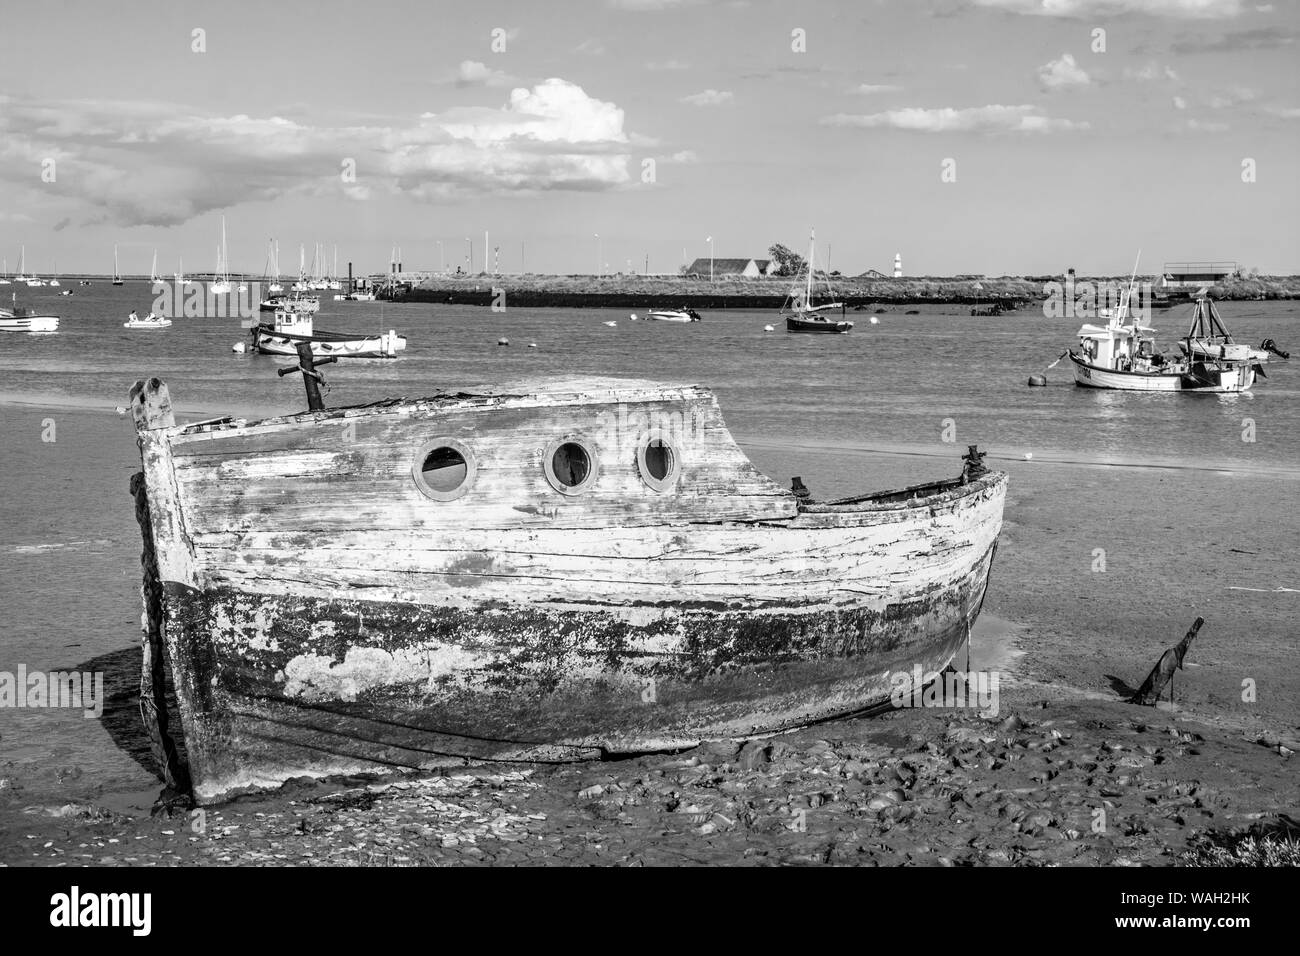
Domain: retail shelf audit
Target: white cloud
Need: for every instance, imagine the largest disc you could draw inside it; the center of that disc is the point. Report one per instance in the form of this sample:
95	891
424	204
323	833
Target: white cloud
1182	9
154	163
1286	112
663	65
1151	72
990	119
474	73
870	89
1180	103
1232	97
709	97
1062	74
685	156
1200	126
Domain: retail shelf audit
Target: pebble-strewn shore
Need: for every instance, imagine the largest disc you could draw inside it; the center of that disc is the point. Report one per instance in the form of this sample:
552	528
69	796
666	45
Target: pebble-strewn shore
1066	782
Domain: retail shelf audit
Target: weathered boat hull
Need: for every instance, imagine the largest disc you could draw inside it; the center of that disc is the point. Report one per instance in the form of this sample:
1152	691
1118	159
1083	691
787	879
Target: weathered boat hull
1234	379
309	637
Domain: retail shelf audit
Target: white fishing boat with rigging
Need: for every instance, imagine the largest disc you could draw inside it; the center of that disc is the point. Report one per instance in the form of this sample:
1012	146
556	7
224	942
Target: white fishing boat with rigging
289	327
1122	355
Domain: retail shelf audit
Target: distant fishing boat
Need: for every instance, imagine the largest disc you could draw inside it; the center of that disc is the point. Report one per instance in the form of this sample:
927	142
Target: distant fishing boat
16	318
289	327
674	315
4	277
804	316
292	302
493	574
1122	355
221	286
117	275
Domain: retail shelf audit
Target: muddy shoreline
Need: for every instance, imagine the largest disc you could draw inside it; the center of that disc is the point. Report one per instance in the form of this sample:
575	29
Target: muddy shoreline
1048	781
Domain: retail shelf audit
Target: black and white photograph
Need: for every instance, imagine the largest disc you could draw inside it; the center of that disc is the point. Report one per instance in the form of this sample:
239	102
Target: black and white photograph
652	433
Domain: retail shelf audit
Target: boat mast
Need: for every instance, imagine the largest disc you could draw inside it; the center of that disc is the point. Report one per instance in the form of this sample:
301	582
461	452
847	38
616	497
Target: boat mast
812	254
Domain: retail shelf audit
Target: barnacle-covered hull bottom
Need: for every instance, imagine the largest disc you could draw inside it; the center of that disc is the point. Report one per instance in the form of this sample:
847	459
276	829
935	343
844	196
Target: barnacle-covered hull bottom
403	685
312	630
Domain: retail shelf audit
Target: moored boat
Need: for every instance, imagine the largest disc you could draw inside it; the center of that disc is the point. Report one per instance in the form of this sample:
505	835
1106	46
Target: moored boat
1124	357
550	570
291	302
289	327
804	316
16	318
683	314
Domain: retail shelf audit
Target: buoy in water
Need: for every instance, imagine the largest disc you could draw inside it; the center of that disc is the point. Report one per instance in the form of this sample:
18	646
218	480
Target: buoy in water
532	345
633	317
503	341
874	320
238	348
611	324
1029	456
769	328
1037	381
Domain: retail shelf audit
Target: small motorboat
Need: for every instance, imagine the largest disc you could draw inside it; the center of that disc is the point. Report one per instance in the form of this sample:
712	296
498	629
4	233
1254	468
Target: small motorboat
150	321
19	319
673	315
281	337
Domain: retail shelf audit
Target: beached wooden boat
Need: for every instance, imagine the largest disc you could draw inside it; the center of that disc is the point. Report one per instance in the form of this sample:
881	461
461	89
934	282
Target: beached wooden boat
281	337
546	571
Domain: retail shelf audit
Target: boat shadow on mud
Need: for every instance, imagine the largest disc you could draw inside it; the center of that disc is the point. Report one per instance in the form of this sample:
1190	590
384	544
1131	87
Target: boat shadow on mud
121	717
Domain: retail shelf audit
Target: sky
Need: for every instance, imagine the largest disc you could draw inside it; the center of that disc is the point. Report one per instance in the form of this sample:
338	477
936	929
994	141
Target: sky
969	136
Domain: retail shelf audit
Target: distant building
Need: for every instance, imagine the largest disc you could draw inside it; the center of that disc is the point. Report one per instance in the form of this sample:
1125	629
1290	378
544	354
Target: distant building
898	265
1198	273
749	268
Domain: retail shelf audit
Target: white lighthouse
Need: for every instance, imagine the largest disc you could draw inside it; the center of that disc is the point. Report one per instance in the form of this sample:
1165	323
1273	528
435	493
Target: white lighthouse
898	265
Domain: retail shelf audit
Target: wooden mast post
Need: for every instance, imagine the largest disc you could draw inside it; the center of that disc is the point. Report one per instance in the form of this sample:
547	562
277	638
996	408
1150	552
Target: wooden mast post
311	378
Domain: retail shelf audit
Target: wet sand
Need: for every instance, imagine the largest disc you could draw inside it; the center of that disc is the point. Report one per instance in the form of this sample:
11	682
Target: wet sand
1178	543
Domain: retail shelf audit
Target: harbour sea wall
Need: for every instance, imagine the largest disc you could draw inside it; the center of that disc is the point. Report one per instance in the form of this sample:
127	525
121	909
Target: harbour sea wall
645	292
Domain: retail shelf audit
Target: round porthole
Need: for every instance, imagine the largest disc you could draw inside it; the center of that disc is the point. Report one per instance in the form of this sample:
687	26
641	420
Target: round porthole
658	462
444	469
571	465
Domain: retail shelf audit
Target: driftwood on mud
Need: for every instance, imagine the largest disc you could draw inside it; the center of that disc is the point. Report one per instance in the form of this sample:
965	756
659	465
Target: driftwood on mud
1163	672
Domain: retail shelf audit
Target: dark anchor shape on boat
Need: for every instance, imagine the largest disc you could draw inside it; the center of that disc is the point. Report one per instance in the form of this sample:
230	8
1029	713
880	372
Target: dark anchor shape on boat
973	465
311	378
1163	673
